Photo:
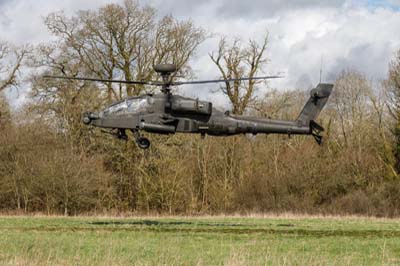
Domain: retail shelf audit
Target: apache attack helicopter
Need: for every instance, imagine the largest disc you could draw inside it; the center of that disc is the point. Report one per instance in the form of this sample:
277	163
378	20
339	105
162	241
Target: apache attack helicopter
166	113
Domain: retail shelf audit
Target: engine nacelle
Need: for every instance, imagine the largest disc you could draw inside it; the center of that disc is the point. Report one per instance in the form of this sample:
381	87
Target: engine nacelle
191	106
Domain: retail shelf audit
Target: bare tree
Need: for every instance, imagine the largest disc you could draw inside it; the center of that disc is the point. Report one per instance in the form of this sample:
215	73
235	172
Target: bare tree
120	42
235	61
11	59
10	62
393	88
393	104
4	112
350	97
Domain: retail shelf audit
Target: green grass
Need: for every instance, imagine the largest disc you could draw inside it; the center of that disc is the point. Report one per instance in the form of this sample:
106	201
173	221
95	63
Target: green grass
198	241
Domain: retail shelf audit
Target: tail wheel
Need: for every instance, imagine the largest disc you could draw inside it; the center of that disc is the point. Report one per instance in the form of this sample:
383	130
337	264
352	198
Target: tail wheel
143	143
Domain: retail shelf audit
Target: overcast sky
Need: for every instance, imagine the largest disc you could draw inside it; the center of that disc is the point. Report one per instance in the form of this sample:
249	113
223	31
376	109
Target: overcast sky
357	35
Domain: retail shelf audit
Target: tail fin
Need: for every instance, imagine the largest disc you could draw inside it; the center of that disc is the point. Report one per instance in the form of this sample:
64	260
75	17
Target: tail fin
314	105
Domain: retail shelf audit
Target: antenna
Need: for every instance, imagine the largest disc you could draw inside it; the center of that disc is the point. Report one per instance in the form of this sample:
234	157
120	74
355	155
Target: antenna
320	70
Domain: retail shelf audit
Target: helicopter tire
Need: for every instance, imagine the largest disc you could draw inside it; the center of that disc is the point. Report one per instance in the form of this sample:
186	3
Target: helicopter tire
143	143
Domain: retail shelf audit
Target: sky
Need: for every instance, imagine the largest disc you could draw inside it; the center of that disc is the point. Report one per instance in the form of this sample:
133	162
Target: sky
361	35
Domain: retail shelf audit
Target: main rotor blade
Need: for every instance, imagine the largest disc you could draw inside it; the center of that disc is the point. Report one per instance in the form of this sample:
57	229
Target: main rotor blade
222	80
160	83
154	83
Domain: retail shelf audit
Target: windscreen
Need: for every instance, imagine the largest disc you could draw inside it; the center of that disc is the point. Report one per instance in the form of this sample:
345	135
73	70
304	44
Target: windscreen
127	106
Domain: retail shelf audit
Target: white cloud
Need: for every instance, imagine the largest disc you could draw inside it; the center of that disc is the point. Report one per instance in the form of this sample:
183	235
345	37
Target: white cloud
22	20
348	34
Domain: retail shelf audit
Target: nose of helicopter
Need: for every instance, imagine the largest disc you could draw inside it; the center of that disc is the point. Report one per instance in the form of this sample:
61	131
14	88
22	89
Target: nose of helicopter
89	117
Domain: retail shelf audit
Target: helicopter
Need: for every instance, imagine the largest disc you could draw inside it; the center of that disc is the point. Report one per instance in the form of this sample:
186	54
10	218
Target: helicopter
166	113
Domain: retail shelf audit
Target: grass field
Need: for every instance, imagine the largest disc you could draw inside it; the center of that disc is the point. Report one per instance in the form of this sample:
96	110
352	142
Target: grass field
199	241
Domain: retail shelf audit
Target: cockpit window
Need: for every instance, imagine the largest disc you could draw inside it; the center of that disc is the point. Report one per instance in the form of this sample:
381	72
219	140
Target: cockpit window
134	105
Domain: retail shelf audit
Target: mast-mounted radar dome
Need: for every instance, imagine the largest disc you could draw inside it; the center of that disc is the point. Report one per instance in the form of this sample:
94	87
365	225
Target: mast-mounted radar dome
165	69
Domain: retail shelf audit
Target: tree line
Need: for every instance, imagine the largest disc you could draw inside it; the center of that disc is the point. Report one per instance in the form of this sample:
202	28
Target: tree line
51	163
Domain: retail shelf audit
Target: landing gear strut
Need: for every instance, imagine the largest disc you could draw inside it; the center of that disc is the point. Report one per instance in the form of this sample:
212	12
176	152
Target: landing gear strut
142	142
121	134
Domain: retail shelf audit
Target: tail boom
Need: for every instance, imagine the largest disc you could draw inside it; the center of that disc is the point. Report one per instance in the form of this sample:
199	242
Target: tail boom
304	125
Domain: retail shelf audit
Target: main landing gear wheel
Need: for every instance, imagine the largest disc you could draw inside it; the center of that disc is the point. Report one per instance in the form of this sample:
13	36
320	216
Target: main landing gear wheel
143	143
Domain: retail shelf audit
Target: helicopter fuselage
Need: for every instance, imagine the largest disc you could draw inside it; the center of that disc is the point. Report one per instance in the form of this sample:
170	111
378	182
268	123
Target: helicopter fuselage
168	114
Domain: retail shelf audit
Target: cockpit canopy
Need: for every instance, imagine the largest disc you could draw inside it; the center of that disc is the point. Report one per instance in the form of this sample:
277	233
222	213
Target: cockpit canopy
127	106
